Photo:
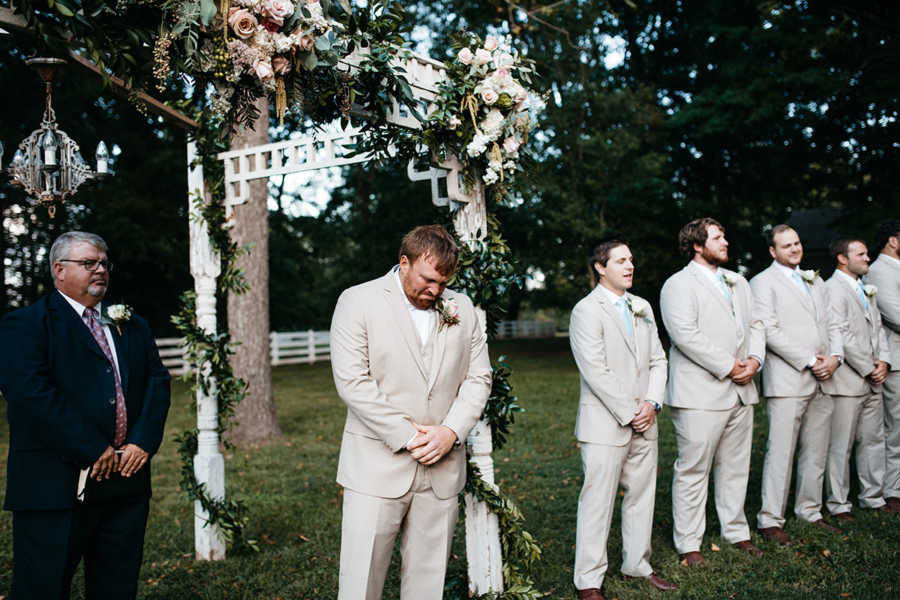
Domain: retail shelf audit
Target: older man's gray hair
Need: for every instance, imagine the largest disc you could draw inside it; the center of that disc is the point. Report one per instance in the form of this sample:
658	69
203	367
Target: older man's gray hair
63	245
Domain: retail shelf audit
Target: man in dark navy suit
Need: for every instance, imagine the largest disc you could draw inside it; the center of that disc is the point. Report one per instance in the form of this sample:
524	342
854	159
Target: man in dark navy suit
85	389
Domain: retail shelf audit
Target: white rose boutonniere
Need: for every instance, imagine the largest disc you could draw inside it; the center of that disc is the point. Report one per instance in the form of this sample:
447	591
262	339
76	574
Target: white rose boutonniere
809	276
116	314
730	278
639	312
870	290
448	310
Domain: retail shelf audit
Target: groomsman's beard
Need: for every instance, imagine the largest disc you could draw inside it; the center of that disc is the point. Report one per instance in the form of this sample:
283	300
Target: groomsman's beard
713	259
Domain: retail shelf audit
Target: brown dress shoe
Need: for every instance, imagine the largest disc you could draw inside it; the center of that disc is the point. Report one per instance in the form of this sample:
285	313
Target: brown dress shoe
821	524
590	594
657	582
893	503
890	507
775	534
846	517
692	558
746	546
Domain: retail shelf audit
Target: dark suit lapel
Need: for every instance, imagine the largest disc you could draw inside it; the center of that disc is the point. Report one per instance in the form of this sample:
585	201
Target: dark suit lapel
72	321
613	312
400	315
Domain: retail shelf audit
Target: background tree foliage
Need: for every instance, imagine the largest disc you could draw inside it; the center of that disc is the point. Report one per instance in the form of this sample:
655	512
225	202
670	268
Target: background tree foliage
746	111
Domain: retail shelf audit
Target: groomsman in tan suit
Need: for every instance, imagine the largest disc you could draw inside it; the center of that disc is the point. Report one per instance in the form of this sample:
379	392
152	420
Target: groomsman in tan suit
623	378
858	411
884	273
410	360
803	349
718	344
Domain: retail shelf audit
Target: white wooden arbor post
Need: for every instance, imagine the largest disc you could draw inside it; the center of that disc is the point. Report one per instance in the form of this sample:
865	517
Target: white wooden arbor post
209	465
485	561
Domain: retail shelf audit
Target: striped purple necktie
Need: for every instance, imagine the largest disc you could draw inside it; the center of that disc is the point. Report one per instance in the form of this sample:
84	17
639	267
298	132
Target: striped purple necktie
90	319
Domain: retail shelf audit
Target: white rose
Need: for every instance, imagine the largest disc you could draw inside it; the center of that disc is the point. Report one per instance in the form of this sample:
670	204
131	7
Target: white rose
491	43
263	70
454	122
465	56
503	61
451	308
511	144
492	124
118	312
482	57
315	10
283	43
489	96
870	290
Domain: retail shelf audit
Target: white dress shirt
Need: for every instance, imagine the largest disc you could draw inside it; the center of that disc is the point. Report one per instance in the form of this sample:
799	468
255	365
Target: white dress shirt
422	318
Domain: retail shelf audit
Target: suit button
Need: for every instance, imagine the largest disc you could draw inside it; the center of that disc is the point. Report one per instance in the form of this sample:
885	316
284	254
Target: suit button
112	400
109	369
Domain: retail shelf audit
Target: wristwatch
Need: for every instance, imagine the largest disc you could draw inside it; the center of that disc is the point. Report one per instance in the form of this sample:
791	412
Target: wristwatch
656	405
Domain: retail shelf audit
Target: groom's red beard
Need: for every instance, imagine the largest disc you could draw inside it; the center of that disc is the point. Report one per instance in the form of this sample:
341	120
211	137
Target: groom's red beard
714	258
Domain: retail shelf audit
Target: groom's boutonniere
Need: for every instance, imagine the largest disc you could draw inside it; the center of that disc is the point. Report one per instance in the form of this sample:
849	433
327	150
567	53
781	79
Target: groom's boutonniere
637	313
809	276
116	314
448	310
730	278
870	290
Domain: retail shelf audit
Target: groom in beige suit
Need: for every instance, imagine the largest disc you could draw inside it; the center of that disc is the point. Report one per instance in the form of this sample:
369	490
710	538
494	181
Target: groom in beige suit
858	411
623	378
884	274
410	361
803	349
718	344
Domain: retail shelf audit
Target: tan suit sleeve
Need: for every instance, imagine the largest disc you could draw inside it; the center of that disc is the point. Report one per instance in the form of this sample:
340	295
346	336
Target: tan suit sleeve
679	308
353	380
589	348
885	279
476	387
776	339
656	388
757	345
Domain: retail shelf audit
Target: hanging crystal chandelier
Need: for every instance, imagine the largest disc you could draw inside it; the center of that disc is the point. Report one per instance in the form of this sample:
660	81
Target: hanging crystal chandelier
48	163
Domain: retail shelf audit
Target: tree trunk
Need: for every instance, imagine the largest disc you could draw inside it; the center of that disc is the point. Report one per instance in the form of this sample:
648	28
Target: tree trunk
248	313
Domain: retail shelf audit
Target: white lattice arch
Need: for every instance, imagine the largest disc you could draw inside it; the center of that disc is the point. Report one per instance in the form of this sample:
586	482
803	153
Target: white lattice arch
316	152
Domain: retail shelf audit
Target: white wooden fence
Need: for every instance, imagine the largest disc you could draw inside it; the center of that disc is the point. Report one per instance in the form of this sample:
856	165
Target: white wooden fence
293	347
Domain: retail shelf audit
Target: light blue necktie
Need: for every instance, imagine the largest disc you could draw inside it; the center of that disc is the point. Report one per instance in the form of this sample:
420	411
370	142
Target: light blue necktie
626	317
799	281
862	294
723	286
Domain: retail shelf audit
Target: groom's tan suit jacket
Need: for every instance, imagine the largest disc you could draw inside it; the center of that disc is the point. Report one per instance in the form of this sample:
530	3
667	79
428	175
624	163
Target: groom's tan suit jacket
388	378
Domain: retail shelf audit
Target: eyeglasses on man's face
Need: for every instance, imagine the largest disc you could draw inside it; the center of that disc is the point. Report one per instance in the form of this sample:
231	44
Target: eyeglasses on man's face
90	265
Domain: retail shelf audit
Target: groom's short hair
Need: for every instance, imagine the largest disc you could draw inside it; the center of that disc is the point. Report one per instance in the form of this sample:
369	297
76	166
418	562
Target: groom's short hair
432	241
695	232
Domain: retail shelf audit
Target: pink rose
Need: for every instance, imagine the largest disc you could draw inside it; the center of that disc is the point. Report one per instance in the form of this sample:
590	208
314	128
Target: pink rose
511	144
281	65
306	43
263	70
465	56
491	43
242	22
278	9
504	60
482	57
489	96
272	25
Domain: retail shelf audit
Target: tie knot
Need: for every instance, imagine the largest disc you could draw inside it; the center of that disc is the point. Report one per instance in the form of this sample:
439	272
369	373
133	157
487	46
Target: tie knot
90	313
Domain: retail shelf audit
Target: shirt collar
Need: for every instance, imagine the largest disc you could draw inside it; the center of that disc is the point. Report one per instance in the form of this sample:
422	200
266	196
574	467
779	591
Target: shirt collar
854	283
611	296
888	257
78	307
713	275
409	305
788	271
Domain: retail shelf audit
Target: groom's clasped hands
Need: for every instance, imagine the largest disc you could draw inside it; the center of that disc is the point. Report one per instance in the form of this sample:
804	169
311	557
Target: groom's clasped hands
431	443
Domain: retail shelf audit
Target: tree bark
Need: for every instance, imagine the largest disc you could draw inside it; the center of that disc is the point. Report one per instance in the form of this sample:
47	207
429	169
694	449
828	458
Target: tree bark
248	313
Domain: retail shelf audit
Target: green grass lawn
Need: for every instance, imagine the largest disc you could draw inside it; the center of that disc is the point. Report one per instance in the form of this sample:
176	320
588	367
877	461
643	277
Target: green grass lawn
295	507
